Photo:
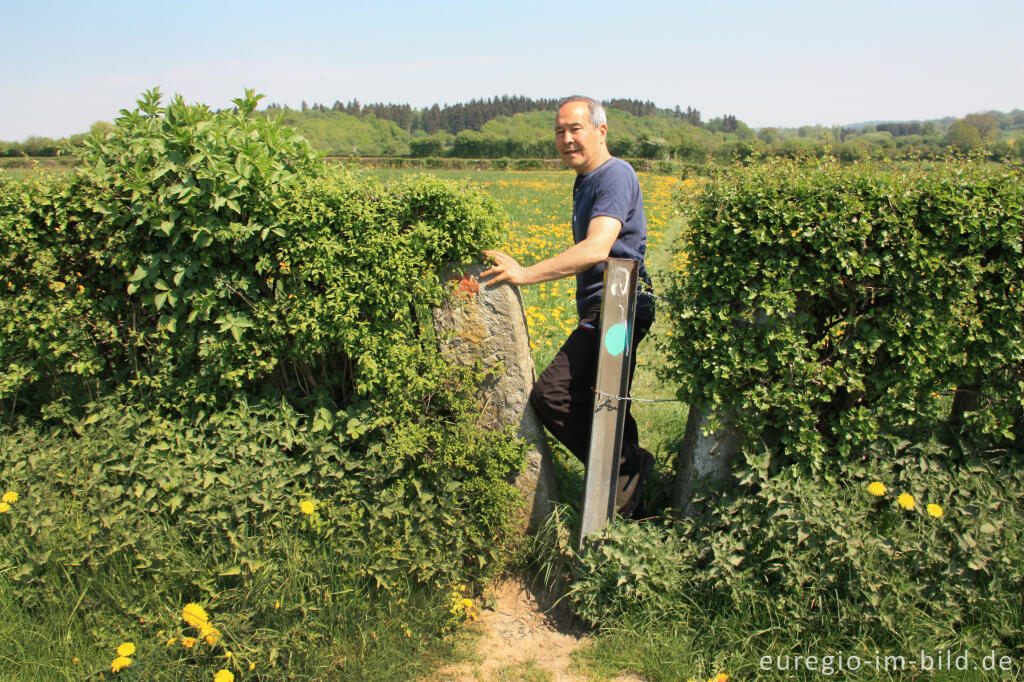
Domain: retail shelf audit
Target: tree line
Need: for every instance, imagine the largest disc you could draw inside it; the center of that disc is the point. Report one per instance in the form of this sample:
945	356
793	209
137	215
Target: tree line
516	126
472	115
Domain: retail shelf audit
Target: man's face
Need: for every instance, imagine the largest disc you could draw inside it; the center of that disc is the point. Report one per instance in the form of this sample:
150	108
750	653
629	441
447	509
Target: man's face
580	144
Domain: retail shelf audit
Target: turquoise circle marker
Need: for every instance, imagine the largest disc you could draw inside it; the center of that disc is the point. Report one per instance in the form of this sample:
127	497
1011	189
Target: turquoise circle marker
615	339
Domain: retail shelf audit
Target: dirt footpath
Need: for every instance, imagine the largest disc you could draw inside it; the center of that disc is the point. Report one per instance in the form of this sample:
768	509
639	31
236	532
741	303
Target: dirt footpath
523	638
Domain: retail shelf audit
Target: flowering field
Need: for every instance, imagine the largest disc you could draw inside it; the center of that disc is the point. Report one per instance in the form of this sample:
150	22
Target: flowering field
539	207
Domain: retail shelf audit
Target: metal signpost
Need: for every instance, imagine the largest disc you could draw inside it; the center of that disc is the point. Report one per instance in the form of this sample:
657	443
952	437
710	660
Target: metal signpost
618	307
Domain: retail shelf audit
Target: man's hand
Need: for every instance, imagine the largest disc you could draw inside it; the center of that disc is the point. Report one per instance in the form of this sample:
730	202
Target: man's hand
601	235
505	269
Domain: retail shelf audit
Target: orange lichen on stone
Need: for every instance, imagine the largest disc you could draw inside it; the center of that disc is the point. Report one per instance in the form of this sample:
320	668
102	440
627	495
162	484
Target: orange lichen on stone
467	287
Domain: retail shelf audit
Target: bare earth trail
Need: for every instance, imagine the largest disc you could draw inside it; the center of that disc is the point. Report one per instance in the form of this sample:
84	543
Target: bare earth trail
523	637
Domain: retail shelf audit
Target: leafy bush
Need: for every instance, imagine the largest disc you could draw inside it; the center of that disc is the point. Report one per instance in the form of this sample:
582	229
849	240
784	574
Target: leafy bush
129	486
222	383
822	308
303	537
814	562
243	264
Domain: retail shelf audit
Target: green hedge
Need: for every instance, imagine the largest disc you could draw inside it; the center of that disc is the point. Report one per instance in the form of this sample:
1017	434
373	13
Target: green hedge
823	307
832	313
202	328
198	254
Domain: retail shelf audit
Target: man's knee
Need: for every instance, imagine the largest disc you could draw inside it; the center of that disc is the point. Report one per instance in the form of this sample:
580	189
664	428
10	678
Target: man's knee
538	397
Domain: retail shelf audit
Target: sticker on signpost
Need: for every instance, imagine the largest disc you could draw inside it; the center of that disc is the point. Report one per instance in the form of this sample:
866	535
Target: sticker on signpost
616	338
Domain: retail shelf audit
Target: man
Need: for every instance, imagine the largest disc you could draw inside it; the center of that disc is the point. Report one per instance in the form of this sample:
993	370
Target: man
607	220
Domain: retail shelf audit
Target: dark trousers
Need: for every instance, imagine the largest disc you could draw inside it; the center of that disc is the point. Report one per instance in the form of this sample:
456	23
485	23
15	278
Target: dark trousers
563	396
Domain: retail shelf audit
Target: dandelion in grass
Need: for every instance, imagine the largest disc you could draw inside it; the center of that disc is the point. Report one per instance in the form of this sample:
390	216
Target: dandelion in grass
126	649
906	500
307	507
210	634
4	507
934	510
224	676
119	664
195	615
876	488
10	497
189	642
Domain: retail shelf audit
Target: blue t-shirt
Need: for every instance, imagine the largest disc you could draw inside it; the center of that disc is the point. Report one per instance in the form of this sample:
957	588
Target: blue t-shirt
612	189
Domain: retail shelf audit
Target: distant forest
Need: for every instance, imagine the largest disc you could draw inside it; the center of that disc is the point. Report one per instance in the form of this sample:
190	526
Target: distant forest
519	127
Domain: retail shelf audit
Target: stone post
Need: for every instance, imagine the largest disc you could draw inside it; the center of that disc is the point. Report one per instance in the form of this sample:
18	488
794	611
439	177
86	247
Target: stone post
487	324
702	456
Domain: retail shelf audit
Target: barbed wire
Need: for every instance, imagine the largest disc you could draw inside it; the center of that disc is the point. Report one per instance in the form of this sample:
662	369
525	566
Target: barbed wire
637	400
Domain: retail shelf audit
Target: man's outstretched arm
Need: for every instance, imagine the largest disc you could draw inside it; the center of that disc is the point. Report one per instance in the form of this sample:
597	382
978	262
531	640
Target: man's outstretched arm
601	235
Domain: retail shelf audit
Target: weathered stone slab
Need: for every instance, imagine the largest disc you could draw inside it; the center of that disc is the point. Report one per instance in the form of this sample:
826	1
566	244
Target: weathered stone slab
703	455
487	324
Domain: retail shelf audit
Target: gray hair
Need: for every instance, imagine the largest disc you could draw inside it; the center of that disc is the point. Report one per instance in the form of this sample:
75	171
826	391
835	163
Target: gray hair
597	115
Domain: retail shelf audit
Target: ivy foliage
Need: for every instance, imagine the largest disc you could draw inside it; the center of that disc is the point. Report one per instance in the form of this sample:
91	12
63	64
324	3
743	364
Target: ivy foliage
821	308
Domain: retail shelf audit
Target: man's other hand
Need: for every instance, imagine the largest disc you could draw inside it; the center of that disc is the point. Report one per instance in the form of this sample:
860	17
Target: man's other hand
505	269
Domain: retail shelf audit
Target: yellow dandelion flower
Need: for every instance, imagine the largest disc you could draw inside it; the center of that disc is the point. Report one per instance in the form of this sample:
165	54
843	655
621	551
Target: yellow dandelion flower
721	677
277	605
906	500
189	642
119	664
10	497
126	649
876	488
210	634
4	507
307	507
195	615
224	676
171	641
252	666
228	655
934	510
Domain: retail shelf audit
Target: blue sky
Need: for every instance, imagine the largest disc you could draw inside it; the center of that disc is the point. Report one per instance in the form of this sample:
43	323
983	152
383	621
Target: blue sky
768	62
